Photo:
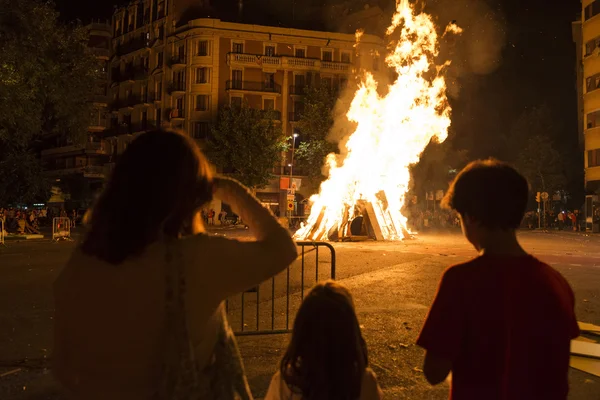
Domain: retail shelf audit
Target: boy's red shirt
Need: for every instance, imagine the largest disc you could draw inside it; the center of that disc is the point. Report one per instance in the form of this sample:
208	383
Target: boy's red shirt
506	324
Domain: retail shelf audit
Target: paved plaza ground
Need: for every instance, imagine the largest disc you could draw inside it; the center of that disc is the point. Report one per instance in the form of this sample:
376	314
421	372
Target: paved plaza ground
393	285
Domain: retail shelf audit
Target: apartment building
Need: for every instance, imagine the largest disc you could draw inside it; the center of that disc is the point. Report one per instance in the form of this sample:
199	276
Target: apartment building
170	69
590	30
87	160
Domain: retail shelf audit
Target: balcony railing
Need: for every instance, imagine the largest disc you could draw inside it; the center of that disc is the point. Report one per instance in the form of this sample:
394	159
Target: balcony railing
336	66
257	60
176	113
271	114
87	148
177	60
176	87
132	45
294	116
253	86
98	52
298	89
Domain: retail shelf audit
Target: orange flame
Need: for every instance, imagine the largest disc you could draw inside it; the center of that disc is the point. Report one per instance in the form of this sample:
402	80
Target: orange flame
392	131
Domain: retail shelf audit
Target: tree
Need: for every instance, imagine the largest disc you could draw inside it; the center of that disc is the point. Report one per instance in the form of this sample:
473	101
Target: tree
246	142
531	148
541	164
46	76
315	124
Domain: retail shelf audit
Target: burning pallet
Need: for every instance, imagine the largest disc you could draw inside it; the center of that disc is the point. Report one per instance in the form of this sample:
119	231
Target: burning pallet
360	225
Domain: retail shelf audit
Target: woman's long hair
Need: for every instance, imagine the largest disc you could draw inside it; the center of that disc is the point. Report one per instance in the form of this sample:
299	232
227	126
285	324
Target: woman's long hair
155	190
327	355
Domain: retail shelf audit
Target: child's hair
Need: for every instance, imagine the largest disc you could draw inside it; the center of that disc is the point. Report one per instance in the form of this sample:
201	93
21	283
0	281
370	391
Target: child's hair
491	192
327	355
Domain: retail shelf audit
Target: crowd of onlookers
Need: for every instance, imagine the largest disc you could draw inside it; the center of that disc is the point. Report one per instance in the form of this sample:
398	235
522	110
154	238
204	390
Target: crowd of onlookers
29	220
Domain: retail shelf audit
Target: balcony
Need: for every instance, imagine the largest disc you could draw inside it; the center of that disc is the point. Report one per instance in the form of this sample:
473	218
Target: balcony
87	148
143	126
336	66
286	62
176	114
140	72
132	45
101	53
99	99
294	116
247	86
275	115
298	90
177	61
253	60
176	87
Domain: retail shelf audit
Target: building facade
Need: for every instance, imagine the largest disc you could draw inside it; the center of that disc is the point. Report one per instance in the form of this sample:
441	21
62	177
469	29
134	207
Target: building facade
64	160
170	69
590	53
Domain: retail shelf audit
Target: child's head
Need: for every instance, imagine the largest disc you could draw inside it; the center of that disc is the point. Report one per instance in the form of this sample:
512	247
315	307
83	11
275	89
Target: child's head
489	195
327	355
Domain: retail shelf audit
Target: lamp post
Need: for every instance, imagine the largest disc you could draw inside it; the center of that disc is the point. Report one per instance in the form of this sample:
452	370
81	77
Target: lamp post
294	136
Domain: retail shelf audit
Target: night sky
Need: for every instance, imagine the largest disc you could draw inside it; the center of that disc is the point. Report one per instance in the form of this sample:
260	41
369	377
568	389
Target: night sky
535	63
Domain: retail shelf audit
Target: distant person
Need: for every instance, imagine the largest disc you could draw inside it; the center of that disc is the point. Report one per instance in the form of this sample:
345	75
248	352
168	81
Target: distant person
140	315
327	355
483	322
561	220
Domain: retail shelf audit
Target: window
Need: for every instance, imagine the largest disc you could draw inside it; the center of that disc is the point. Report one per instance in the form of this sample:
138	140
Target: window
159	90
375	63
593	119
300	52
343	83
345	57
327	55
202	75
326	81
200	129
592	10
268	104
144	120
158	117
237	47
299	82
159	60
202	102
202	48
161	32
270	51
593	158
592	83
236	102
236	78
179	104
269	80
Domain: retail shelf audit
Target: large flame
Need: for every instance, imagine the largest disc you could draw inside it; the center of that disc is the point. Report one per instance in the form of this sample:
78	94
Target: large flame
392	131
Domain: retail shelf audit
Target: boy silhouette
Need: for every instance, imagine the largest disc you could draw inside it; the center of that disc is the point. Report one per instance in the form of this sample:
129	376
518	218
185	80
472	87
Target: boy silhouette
501	323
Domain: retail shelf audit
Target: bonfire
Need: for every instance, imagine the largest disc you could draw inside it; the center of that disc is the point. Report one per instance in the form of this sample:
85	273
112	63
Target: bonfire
392	130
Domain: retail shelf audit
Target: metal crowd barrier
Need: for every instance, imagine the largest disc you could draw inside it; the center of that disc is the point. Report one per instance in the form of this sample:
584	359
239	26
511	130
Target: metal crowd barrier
61	228
272	302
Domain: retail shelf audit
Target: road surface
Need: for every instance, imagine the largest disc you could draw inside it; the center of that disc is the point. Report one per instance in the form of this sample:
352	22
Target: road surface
393	285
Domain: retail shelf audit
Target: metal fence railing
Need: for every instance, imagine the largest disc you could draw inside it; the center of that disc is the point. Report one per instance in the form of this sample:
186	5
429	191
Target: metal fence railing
269	308
61	228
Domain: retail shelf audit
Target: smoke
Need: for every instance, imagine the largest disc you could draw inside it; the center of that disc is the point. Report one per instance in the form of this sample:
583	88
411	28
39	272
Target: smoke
478	50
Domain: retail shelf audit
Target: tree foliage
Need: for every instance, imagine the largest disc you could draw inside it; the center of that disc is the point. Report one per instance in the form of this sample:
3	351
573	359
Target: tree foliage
532	146
247	143
314	126
46	76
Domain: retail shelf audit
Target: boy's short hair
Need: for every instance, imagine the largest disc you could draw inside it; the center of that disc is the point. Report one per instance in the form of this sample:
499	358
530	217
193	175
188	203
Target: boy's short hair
491	192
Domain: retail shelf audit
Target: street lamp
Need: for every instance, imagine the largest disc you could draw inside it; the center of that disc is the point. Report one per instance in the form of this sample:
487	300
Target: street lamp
291	165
